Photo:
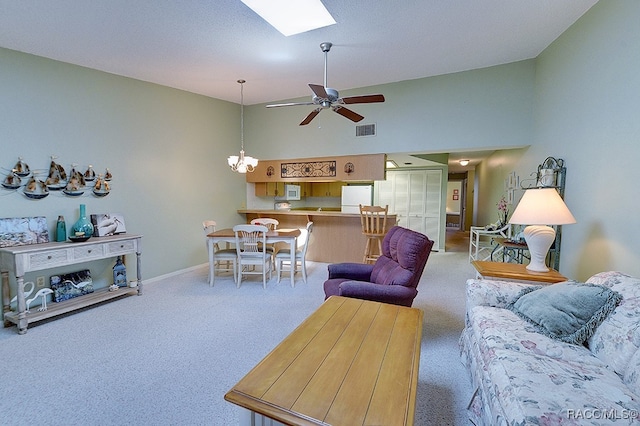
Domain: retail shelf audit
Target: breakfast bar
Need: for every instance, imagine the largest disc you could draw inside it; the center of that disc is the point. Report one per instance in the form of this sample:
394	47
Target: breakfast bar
337	237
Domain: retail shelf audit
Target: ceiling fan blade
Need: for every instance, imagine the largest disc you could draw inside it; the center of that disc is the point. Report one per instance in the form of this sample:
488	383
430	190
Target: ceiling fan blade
311	116
345	112
289	104
364	99
319	91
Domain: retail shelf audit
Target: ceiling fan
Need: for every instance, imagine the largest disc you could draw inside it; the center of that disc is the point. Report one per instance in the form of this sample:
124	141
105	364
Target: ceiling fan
326	97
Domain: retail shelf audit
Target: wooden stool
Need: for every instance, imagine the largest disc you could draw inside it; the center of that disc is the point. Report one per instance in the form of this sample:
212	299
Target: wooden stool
374	227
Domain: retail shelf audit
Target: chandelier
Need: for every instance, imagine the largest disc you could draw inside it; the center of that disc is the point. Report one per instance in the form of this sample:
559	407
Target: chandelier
242	163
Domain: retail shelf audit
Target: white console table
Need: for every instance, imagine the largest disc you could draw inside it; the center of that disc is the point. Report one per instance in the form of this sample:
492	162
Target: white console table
28	258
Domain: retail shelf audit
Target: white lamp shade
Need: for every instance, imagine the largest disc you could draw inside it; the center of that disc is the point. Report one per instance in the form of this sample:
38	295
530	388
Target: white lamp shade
539	208
542	206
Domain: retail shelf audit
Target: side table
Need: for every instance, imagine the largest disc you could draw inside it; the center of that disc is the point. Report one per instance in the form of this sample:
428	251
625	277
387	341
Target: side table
512	252
515	272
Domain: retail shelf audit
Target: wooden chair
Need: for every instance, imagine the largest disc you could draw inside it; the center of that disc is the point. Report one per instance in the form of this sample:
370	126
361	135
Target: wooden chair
251	250
374	227
271	225
284	255
227	255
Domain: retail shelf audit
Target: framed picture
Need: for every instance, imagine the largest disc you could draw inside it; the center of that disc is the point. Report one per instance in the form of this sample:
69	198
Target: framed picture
455	197
68	286
512	181
19	231
108	224
455	192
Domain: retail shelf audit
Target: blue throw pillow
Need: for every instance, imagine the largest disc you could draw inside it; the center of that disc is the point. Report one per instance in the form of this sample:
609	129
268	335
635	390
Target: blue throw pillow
567	311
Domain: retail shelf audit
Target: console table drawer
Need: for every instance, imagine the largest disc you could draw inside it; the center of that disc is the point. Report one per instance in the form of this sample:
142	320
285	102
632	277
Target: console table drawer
48	259
121	247
88	252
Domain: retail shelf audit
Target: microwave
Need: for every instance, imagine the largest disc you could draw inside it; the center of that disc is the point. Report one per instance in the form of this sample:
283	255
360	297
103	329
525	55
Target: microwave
291	193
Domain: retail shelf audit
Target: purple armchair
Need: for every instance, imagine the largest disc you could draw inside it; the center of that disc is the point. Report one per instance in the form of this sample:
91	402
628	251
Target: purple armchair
392	279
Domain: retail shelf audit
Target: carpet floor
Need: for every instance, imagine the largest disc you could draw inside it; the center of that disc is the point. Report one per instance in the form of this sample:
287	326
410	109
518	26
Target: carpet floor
169	356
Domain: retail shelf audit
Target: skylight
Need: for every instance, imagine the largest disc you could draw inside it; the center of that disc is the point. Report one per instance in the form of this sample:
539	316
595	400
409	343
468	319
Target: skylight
292	16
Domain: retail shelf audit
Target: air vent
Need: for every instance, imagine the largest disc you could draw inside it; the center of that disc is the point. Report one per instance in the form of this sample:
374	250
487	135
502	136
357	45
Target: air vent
366	130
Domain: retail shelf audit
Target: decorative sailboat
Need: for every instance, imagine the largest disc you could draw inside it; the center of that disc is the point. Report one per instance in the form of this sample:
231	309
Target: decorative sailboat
76	184
57	176
101	187
21	168
35	189
12	181
90	174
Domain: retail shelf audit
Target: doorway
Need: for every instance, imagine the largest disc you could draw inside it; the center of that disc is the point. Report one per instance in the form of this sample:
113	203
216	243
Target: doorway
456	201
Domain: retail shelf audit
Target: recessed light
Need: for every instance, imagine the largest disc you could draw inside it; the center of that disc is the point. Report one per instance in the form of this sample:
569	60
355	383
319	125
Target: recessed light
292	16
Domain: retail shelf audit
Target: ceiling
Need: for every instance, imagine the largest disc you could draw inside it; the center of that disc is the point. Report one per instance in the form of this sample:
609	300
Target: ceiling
204	46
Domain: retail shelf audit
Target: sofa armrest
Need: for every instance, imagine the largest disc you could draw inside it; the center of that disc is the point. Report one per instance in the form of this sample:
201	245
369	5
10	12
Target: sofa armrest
395	294
492	293
352	271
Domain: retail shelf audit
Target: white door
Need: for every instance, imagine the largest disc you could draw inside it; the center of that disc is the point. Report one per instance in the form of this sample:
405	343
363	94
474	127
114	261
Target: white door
415	197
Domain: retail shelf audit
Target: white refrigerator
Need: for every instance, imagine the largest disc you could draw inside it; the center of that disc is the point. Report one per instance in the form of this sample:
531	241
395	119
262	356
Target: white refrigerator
353	196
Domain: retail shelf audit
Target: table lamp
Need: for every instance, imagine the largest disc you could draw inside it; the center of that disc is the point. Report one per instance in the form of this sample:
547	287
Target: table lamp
538	208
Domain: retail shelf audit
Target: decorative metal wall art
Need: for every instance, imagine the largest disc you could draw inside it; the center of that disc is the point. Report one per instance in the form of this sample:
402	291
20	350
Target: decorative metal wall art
349	168
308	169
73	184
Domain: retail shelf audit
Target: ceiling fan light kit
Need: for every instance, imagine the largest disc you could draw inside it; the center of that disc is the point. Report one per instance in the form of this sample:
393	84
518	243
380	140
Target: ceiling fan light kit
325	97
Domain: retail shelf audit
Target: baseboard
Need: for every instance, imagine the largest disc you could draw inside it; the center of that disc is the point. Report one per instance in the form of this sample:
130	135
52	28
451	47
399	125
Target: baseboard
174	273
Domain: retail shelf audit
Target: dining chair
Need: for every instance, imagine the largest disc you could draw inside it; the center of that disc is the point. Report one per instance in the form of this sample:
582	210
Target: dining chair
251	241
271	225
284	255
227	255
374	226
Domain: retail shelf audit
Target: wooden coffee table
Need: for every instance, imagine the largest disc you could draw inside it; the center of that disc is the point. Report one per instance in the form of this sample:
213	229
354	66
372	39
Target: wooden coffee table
351	362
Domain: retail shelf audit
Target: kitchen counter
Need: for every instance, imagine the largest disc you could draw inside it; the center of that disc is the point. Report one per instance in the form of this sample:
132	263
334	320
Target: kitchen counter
300	211
337	237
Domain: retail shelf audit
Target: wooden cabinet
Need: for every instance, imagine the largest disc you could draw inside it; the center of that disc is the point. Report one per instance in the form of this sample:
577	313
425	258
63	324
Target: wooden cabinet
269	189
305	189
326	189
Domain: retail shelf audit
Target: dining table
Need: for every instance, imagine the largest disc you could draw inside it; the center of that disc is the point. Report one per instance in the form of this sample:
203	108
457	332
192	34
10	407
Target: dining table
227	235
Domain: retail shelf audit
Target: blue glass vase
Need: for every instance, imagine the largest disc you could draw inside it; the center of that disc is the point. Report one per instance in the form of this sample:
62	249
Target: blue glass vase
83	227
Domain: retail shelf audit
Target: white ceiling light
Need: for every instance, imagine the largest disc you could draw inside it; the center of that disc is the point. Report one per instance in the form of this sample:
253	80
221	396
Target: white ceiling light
292	16
463	162
242	163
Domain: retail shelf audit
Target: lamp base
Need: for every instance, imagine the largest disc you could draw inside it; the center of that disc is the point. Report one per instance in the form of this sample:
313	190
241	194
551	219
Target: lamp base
539	239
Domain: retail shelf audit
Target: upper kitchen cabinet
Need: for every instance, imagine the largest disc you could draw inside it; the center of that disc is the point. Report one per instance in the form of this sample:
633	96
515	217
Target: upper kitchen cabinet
326	189
367	167
269	189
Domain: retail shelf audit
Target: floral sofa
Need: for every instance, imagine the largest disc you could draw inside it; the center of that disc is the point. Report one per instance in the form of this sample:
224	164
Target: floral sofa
523	377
